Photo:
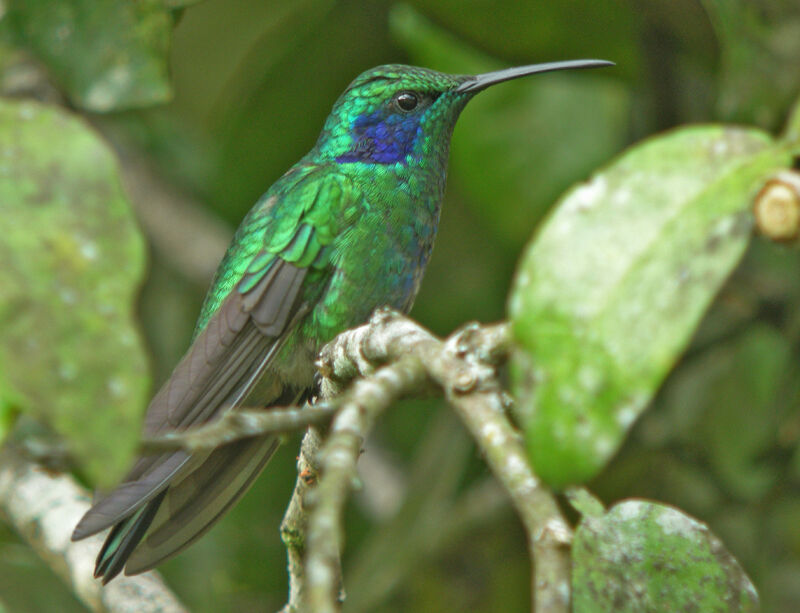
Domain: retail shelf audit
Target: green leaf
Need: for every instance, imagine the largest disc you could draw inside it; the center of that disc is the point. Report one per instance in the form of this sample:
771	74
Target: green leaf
643	556
107	56
608	294
72	262
518	146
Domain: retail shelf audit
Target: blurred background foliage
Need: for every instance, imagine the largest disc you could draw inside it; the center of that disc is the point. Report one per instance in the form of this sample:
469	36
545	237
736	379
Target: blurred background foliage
218	98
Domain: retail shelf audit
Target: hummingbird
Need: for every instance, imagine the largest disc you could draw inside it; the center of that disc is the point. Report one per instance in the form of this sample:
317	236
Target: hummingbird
347	229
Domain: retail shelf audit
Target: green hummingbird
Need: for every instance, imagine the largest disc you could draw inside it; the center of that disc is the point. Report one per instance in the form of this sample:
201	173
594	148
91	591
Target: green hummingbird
347	229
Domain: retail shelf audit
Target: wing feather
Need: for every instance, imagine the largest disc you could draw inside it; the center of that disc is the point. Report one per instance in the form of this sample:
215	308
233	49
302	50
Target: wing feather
168	500
211	372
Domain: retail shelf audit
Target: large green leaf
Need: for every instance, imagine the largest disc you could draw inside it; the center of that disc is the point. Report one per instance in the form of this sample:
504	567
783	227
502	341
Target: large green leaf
519	145
608	294
107	55
72	261
643	556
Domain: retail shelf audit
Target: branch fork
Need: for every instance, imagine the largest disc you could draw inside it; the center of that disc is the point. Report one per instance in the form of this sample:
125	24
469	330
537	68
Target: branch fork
376	364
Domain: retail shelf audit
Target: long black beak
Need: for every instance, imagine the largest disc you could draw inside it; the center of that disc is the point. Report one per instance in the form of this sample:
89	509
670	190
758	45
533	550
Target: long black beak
482	81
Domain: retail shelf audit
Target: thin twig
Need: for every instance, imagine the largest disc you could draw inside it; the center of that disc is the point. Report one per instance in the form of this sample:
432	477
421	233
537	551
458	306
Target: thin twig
44	508
239	424
359	410
548	532
295	520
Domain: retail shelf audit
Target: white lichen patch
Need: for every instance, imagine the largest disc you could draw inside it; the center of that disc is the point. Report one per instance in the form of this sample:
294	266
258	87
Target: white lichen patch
720	147
515	465
723	227
117	387
604	446
674	522
629	511
523	279
590	378
626	415
492	433
515	305
588	194
88	249
103	94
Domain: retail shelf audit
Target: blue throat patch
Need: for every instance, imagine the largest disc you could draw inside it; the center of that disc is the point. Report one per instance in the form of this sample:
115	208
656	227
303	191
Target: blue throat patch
382	140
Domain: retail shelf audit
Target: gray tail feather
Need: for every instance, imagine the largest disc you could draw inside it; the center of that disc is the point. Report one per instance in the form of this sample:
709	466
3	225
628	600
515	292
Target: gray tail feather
124	538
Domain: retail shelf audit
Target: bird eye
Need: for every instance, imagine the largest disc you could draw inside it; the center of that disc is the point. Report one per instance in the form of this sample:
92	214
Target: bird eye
406	101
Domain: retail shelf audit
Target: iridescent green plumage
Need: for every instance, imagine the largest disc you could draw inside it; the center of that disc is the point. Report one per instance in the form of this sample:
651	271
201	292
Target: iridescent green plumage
347	229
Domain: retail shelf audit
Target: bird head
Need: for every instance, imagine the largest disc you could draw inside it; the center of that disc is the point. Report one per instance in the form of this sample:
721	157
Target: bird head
401	115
